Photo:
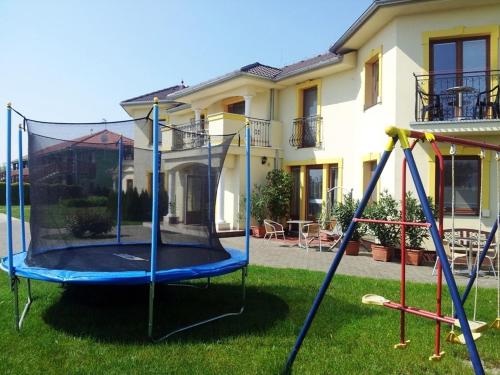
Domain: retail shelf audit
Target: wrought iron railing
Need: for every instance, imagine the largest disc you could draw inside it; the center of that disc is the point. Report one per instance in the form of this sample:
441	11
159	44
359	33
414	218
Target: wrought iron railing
306	132
190	135
463	95
260	132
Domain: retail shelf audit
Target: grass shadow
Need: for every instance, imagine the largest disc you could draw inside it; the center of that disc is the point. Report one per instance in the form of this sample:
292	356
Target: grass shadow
119	313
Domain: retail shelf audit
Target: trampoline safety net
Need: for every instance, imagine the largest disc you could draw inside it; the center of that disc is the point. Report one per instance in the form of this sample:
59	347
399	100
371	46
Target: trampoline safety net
81	221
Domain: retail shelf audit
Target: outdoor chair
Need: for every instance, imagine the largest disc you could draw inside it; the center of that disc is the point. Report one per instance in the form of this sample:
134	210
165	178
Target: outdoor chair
273	229
334	232
430	105
311	232
486	100
452	258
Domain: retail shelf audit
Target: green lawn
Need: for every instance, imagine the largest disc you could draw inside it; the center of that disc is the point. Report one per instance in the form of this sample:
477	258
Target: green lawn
101	330
16	212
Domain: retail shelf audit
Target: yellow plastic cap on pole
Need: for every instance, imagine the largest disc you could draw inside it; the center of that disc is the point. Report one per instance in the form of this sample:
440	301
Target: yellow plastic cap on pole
155	100
402	135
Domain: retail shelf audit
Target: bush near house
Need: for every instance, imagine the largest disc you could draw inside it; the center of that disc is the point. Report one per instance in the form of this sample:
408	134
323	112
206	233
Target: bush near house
137	206
89	222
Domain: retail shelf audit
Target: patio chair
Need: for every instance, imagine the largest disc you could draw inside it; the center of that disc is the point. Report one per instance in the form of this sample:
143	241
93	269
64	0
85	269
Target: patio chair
486	100
430	105
273	229
311	232
452	258
333	233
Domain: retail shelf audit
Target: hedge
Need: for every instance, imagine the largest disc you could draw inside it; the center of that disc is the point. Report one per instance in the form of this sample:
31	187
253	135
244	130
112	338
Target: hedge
14	194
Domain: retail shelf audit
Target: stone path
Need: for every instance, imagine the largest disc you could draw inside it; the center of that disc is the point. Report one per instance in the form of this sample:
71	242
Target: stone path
283	255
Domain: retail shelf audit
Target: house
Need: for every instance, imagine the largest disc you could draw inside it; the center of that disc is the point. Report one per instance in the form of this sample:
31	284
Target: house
88	161
14	171
428	65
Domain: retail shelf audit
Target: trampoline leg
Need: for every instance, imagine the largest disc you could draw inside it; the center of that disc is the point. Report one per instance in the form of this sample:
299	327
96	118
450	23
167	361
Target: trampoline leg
19	318
151	309
217	317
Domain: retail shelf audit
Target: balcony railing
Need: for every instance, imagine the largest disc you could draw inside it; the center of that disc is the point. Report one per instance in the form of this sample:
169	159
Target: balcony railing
190	135
457	96
306	132
260	132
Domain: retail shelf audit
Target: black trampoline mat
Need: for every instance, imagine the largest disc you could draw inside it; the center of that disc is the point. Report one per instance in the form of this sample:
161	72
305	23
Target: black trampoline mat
125	257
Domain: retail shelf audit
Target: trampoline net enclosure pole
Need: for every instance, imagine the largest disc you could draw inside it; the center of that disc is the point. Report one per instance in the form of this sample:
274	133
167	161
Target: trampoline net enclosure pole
154	218
247	190
21	188
8	202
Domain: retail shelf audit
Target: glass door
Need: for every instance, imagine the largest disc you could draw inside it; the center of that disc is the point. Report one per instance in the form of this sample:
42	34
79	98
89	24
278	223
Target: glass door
314	192
295	203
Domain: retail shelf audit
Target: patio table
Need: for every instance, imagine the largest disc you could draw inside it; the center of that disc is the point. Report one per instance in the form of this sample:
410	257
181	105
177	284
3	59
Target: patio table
300	224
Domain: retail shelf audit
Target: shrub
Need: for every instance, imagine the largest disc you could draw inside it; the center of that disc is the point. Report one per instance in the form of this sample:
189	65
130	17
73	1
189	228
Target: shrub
89	222
344	213
15	194
387	208
415	236
92	201
278	189
258	204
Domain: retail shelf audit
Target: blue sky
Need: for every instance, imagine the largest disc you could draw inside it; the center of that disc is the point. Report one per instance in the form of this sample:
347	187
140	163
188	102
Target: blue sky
76	60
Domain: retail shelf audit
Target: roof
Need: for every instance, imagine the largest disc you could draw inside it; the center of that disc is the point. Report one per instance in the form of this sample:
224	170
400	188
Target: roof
160	94
375	6
102	139
263	71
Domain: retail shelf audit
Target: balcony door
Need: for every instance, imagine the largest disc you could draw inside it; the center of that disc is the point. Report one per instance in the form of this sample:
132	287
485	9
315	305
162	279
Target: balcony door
459	62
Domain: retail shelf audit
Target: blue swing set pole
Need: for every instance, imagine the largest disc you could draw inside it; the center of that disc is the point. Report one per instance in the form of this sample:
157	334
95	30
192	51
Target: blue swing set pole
21	188
452	286
247	190
154	218
119	188
473	273
333	268
8	202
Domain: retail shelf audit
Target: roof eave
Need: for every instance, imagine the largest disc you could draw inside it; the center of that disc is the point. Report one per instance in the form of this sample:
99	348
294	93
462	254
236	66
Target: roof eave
367	14
338	59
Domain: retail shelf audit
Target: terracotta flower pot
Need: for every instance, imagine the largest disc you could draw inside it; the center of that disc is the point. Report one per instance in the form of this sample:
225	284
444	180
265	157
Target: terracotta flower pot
258	231
382	253
352	248
414	257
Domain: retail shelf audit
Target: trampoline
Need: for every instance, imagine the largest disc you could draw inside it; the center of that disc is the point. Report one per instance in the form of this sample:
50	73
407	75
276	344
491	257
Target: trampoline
90	225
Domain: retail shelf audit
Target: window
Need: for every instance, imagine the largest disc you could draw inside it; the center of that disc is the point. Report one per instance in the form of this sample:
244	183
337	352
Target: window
372	81
295	203
310	102
368	170
130	184
467	184
237	108
314	186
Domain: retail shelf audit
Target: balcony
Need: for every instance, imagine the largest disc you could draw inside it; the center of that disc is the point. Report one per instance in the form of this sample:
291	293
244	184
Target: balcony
472	97
306	132
263	133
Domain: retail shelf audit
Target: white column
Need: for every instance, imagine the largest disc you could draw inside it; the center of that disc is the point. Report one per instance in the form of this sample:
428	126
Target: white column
197	115
221	223
248	104
171	193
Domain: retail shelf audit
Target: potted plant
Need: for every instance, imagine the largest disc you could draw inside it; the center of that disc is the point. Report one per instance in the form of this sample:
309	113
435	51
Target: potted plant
415	236
258	210
387	235
344	212
172	214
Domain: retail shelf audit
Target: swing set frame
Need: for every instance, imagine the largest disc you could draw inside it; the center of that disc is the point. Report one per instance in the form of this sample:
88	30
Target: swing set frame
436	230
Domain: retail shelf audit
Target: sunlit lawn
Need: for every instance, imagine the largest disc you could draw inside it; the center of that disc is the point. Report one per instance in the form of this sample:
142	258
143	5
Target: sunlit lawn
102	330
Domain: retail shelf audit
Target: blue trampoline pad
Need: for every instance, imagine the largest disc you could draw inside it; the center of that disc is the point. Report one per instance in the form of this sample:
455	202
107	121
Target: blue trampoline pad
125	264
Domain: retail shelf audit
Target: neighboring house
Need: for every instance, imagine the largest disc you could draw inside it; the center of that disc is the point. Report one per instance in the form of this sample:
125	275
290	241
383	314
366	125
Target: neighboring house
425	65
14	171
88	161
